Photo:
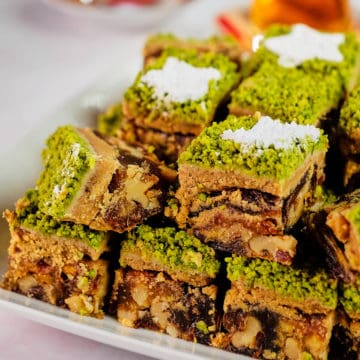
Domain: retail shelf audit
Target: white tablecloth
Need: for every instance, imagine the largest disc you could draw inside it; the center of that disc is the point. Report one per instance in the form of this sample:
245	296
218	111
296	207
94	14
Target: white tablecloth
47	58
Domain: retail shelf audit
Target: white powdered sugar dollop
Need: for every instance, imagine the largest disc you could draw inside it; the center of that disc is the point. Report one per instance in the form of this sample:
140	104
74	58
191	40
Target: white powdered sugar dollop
179	81
271	133
304	43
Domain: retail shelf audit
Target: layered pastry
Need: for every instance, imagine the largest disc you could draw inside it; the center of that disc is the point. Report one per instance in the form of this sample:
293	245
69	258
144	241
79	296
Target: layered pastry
57	262
349	139
226	45
274	311
244	182
96	181
346	334
165	283
336	229
176	97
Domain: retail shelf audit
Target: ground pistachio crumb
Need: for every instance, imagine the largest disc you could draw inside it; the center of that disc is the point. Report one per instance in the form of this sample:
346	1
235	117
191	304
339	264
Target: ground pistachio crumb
210	150
67	158
176	249
299	284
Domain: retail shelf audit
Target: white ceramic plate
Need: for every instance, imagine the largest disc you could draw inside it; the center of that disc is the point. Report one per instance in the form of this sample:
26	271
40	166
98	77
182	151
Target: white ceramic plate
126	15
20	166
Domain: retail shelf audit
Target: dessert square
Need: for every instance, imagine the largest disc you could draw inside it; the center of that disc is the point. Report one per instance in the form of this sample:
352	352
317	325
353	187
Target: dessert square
274	311
248	178
57	262
226	45
290	94
336	229
178	95
310	50
153	300
97	181
297	73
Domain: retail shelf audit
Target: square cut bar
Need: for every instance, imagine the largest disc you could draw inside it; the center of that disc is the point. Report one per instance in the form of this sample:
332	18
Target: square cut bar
242	196
176	97
153	300
165	283
56	262
289	94
309	50
336	228
298	84
157	43
97	181
182	256
274	311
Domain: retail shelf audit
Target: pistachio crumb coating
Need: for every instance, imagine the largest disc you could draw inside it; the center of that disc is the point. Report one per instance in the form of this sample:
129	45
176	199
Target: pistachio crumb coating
173	251
299	285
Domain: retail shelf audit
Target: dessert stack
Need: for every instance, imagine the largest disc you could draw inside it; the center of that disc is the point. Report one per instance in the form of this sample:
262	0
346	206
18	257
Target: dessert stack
214	174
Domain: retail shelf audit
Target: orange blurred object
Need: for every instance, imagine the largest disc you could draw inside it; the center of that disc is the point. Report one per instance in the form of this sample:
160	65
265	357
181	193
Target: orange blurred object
328	15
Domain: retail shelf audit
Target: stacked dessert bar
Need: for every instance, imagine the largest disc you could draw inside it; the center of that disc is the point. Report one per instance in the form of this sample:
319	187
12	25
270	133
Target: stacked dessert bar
336	230
90	186
244	183
165	283
56	261
175	97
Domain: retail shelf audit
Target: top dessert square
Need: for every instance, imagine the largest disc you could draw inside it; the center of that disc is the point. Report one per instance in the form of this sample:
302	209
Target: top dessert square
255	147
181	91
311	50
290	94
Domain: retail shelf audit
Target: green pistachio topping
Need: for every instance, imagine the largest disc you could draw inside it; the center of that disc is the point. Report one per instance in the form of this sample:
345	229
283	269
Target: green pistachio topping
350	49
110	121
350	297
143	103
176	249
301	285
29	216
209	149
289	94
67	158
350	112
